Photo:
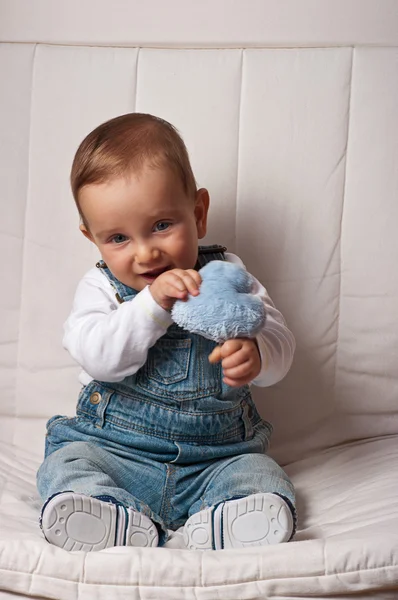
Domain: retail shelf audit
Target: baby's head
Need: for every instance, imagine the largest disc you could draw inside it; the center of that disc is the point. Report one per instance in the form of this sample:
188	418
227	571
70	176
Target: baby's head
137	198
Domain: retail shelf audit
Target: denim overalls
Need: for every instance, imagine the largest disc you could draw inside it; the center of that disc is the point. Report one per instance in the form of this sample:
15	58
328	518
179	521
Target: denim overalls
170	440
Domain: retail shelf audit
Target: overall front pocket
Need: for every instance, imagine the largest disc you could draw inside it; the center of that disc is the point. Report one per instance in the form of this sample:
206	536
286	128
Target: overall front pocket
178	369
168	361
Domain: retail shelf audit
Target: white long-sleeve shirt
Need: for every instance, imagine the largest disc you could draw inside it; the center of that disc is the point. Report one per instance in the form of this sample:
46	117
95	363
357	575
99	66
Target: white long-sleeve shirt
111	341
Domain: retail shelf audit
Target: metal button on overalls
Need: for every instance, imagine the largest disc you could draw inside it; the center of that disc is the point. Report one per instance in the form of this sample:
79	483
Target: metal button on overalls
95	398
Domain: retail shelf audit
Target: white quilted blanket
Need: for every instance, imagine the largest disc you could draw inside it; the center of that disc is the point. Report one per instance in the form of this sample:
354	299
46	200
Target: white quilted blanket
348	506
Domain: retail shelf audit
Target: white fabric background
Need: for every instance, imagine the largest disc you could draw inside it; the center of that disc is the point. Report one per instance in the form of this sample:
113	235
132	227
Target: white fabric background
299	149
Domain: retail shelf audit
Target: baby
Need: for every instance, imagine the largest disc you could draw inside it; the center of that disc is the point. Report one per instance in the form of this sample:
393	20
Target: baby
166	433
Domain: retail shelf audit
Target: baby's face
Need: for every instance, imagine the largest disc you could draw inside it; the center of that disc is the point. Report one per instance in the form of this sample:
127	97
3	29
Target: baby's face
144	224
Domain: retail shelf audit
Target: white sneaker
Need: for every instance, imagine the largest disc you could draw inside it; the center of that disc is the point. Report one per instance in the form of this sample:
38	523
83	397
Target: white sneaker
256	520
77	522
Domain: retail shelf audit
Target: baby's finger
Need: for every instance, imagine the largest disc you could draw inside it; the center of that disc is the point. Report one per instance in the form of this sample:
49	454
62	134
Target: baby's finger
174	287
237	382
235	359
191	281
195	275
215	356
230	347
174	279
238	372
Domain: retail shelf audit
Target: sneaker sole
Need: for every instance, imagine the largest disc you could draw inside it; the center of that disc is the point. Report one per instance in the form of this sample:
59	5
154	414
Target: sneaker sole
256	520
77	522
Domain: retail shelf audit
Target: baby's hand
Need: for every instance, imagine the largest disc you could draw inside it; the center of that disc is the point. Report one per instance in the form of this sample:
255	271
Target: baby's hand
241	361
173	285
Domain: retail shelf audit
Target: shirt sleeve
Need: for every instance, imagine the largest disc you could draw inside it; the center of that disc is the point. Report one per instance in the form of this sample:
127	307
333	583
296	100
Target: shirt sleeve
275	341
109	340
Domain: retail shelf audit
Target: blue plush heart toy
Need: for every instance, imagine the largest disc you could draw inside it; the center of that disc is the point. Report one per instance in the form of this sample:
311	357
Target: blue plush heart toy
225	308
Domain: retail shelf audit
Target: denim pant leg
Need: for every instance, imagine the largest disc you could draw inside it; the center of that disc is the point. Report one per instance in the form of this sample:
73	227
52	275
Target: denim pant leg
89	469
241	476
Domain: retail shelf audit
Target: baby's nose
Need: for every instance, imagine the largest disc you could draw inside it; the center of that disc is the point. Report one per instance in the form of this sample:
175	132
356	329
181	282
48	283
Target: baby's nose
146	253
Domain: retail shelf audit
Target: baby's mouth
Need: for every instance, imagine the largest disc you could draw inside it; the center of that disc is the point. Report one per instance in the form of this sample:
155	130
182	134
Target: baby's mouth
150	276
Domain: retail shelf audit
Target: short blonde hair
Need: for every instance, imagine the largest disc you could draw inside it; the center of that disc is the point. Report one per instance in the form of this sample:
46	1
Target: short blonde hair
126	144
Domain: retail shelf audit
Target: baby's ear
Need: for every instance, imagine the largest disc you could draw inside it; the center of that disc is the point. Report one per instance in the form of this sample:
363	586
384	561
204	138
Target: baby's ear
86	232
202	202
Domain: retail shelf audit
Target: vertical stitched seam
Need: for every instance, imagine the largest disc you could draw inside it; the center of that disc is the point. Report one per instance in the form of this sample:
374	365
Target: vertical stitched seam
24	249
168	491
165	494
238	153
171	493
341	224
136	79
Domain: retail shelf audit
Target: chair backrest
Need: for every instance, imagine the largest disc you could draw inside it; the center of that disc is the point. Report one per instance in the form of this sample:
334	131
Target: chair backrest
298	147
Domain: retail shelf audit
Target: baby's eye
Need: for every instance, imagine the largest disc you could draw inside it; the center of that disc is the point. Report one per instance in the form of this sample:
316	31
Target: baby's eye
161	226
119	238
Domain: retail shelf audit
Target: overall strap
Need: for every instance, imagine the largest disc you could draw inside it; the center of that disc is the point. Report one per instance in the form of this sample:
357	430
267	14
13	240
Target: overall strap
205	255
121	290
208	253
